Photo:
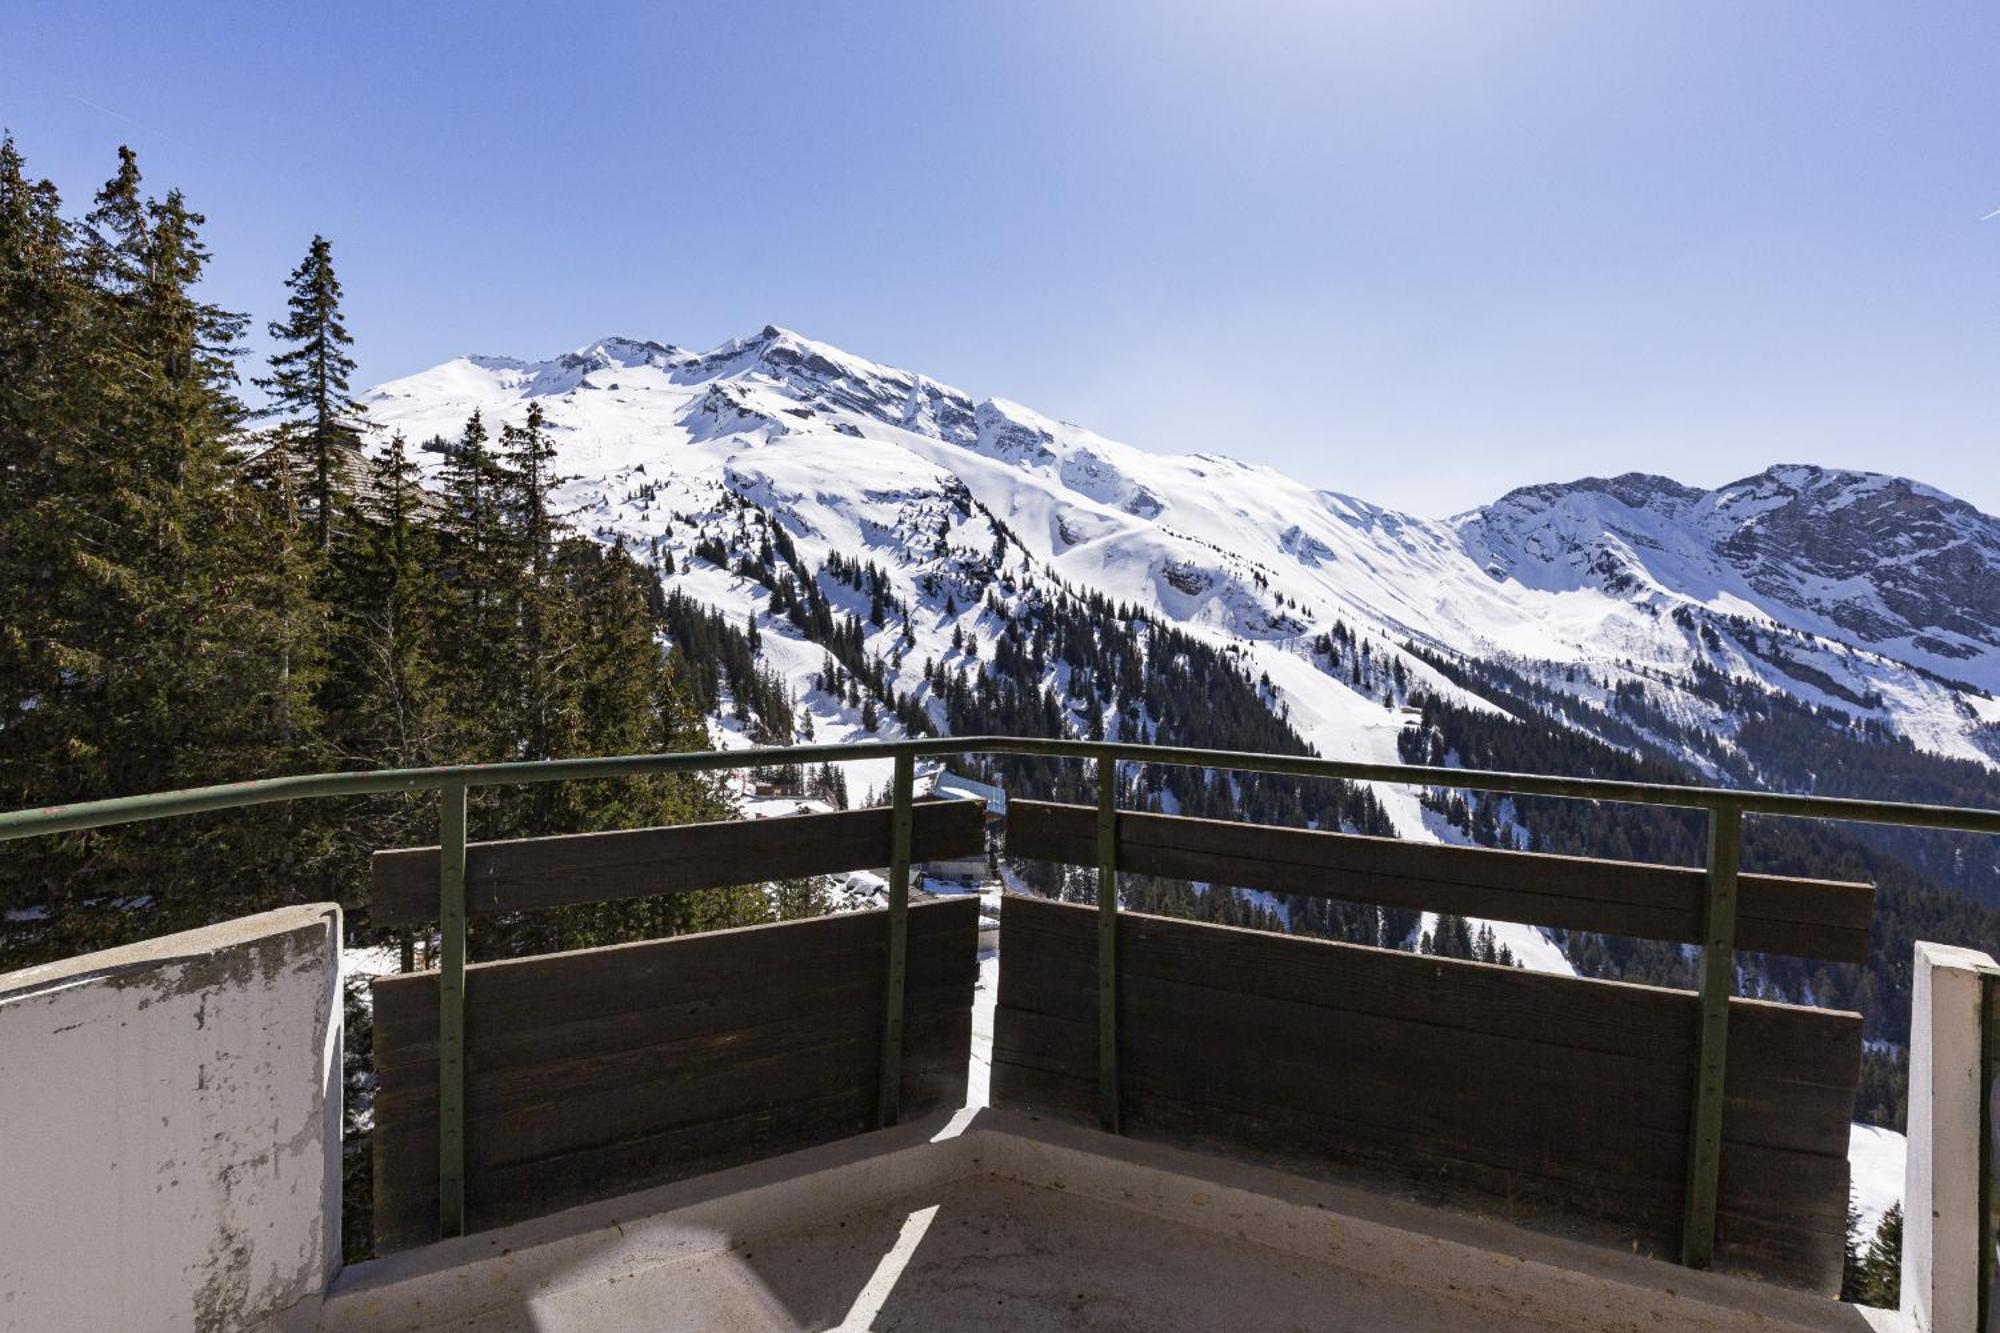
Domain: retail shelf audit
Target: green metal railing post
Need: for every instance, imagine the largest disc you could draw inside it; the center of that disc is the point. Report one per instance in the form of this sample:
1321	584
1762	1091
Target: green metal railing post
451	1010
889	1104
1718	979
1107	944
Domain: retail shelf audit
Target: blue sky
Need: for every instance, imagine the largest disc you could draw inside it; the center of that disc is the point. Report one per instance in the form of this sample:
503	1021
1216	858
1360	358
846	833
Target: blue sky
1416	252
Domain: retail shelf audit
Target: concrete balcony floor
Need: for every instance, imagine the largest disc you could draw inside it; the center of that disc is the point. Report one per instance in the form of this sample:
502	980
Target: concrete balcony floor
993	1220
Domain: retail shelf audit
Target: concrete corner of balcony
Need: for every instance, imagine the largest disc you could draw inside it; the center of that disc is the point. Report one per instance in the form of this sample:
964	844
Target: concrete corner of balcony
997	1220
171	1115
675	1133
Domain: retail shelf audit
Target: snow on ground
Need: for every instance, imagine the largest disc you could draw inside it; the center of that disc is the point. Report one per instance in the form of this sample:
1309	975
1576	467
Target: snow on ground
1345	724
1875	1160
979	1082
379	960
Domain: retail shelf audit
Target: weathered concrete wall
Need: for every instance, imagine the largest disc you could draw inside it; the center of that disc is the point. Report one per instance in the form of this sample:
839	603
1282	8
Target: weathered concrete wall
1941	1178
170	1131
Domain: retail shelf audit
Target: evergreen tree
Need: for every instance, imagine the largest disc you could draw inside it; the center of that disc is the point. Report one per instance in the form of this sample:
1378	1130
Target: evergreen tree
1873	1272
388	600
481	574
45	408
527	481
308	385
145	641
114	234
530	526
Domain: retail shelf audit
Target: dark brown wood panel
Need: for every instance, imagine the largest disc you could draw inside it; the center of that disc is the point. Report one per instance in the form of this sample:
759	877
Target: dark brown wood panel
1807	918
594	1073
636	863
1544	1097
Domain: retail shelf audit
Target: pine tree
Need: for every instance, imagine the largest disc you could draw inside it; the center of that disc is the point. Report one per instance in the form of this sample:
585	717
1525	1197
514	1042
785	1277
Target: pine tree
1873	1273
150	633
388	600
527	480
794	899
481	573
115	233
308	385
44	336
618	693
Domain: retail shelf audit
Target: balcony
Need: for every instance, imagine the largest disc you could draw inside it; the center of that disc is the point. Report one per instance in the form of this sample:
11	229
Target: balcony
864	1120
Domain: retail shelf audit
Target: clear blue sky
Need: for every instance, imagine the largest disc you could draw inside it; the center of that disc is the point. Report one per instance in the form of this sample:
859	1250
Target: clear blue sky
1416	252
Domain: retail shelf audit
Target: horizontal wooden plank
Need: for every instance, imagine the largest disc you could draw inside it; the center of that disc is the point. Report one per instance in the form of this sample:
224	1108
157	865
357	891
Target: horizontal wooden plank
1501	1001
582	1105
1560	1094
935	1061
563	997
1791	1074
1375	1057
600	1071
1637	1167
1807	918
1623	1211
502	1195
575	868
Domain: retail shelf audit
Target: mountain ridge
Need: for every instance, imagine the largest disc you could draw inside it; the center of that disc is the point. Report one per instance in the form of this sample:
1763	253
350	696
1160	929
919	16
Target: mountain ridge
1845	590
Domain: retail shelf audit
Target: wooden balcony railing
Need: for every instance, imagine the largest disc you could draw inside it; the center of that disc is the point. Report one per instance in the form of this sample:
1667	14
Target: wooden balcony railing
1553	1097
1696	1122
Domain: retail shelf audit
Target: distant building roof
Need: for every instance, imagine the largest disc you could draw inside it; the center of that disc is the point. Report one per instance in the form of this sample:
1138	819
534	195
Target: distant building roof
947	783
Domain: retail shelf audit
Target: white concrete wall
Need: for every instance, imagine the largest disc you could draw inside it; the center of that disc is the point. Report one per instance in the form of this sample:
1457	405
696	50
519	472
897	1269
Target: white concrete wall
1941	1180
170	1131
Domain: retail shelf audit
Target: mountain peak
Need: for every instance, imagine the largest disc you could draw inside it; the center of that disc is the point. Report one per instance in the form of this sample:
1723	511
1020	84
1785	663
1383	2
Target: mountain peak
622	351
854	456
1841	486
1634	490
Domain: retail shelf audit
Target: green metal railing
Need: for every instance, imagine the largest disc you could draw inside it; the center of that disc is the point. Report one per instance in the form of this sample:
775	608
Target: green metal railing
1726	810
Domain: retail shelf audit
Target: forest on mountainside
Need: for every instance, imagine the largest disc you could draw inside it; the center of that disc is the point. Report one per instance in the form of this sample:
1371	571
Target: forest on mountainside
1910	904
1908	907
1778	742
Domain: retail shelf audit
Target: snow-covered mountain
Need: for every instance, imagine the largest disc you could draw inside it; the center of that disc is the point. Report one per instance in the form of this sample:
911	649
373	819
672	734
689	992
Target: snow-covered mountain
1868	593
1646	605
1637	609
1873	561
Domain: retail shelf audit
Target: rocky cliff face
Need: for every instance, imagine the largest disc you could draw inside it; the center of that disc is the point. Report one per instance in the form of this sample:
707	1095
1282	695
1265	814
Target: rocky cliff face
1880	562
